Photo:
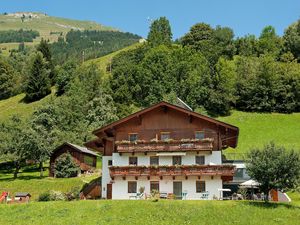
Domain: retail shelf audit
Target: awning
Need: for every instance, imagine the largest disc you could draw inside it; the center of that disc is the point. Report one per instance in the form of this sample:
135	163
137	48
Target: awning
250	184
171	154
224	189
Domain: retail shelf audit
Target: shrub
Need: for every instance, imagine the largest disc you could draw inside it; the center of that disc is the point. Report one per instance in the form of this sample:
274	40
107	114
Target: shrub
44	197
65	166
73	194
57	196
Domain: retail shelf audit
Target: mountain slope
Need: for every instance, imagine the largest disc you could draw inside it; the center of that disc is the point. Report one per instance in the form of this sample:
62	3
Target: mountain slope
49	27
15	104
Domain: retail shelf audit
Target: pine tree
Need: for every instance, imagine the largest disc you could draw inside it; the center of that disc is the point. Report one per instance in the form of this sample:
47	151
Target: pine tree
65	166
44	48
6	79
38	85
160	32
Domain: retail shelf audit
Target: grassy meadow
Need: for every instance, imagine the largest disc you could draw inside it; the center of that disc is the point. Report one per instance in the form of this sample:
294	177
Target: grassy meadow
258	129
148	212
16	105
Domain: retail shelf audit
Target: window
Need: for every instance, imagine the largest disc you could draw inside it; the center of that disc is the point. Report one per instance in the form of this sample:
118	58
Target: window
176	160
164	136
154	185
154	160
239	173
200	160
200	186
132	186
110	162
88	160
199	135
133	137
133	161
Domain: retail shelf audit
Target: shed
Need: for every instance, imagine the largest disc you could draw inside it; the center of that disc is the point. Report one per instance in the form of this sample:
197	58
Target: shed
22	197
85	158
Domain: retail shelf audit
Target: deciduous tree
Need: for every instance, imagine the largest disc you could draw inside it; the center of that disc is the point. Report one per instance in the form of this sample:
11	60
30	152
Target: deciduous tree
274	167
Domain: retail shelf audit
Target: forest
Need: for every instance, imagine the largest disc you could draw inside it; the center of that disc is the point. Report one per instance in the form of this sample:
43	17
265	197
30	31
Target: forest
84	45
18	36
208	68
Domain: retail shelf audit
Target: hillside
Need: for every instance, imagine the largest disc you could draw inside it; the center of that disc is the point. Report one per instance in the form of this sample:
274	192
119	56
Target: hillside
16	105
257	129
49	27
103	62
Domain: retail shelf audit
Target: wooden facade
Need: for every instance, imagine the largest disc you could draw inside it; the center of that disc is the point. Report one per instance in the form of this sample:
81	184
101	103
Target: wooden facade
150	123
83	157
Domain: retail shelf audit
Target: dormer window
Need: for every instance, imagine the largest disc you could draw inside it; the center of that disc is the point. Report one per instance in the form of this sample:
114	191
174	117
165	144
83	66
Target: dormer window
133	137
199	135
164	136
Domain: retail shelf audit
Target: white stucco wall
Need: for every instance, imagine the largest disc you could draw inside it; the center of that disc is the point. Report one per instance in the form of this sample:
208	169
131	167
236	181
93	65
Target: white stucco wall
189	159
120	186
105	174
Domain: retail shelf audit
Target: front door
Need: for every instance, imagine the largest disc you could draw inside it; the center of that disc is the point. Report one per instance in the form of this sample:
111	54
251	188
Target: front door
109	191
177	189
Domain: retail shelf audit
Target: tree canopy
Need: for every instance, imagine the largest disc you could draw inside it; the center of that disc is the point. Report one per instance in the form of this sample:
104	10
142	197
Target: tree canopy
274	167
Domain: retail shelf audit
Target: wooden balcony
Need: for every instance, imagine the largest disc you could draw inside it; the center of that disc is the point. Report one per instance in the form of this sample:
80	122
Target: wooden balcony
165	146
182	170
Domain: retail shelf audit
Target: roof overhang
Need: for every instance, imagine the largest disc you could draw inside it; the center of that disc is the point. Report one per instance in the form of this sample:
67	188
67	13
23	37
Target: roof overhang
108	129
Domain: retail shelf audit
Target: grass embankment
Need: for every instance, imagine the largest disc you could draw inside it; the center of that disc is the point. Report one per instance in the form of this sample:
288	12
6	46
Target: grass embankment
148	212
16	105
258	129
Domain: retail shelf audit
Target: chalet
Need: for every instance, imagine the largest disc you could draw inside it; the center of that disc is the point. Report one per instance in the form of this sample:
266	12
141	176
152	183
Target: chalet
166	148
85	158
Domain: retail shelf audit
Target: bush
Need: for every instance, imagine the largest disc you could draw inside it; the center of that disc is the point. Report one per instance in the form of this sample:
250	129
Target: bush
44	197
73	194
57	196
65	166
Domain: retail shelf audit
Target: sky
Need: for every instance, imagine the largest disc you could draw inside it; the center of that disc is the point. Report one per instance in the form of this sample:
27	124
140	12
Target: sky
244	17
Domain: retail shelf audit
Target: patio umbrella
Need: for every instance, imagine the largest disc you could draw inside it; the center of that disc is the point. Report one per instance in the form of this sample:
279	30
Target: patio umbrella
250	184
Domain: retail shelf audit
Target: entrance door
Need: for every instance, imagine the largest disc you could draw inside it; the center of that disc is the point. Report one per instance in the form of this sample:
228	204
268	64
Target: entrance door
109	191
177	189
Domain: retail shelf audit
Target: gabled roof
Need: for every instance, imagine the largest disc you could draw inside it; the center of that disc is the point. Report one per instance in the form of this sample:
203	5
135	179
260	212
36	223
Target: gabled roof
166	104
77	148
22	194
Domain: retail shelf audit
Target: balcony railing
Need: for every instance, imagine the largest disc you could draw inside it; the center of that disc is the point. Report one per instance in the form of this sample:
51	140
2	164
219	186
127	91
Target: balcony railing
192	170
165	146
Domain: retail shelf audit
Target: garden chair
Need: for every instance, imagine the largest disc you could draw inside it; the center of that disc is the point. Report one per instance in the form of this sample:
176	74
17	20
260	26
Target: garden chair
204	195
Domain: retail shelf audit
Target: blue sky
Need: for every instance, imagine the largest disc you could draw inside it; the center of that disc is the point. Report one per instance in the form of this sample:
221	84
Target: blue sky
244	17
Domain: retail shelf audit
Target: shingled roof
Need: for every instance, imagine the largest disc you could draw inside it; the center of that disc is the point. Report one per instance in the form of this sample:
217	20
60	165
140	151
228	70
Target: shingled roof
78	148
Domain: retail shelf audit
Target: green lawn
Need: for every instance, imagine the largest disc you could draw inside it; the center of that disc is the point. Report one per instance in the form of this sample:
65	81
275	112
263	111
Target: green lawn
29	180
257	129
148	212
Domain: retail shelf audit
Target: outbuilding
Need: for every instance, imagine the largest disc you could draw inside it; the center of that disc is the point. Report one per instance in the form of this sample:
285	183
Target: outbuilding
22	197
85	158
